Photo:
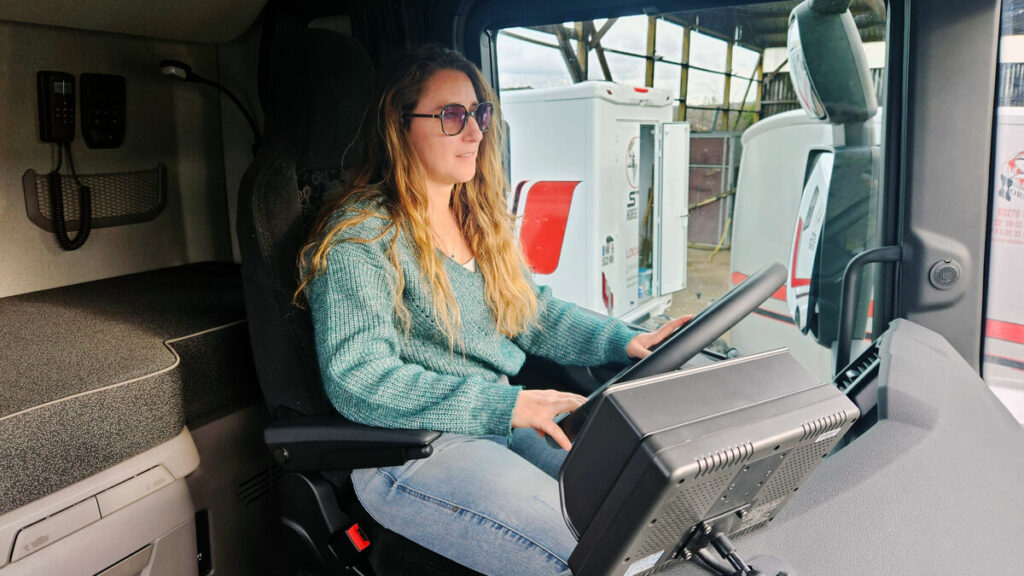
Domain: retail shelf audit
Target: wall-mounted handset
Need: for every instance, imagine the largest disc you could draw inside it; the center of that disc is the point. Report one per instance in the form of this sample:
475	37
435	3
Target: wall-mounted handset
56	96
56	92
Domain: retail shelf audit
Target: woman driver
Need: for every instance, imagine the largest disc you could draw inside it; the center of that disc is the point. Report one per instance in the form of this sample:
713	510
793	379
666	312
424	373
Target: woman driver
421	305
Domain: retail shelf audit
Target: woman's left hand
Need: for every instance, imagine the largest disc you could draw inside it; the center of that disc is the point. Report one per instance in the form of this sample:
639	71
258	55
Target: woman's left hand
639	346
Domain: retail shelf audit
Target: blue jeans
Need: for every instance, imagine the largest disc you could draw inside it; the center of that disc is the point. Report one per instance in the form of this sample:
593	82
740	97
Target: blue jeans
487	502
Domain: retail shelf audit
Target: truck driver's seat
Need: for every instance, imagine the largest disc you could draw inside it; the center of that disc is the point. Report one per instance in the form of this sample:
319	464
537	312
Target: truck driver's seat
313	87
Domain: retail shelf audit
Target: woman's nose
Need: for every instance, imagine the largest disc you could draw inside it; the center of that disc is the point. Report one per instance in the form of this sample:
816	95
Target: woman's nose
472	132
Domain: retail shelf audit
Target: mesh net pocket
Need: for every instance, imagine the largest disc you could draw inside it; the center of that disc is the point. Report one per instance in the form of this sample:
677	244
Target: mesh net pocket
117	198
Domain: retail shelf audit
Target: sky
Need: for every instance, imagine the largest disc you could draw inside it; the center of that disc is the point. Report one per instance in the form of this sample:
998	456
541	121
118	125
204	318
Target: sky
522	64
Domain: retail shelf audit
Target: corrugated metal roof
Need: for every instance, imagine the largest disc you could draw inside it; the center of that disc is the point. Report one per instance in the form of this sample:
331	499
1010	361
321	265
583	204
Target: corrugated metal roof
762	26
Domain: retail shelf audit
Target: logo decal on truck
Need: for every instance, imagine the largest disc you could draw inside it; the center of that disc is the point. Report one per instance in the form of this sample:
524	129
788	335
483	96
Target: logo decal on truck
633	162
1007	217
544	212
1011	178
608	251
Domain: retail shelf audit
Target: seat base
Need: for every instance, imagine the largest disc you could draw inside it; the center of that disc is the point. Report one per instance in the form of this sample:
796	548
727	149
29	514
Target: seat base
319	509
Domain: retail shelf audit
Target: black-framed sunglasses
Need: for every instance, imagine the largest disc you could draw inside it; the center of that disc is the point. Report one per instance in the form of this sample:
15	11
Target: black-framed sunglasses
455	116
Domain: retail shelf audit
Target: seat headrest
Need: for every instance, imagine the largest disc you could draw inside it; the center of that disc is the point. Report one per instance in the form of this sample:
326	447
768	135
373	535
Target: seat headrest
340	75
314	84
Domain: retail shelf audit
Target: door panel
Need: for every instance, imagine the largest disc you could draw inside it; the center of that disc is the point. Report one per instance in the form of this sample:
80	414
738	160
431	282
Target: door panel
673	207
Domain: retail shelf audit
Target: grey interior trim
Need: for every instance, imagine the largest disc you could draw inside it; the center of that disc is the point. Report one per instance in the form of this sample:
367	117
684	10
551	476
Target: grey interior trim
178	456
165	518
946	41
234	485
172	123
208	21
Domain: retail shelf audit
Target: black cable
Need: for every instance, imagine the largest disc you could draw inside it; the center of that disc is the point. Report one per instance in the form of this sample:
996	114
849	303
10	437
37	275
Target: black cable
183	71
60	157
712	564
248	117
71	165
720	542
726	550
60	230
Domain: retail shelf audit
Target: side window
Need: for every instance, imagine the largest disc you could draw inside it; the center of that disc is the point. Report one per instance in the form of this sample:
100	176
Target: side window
1003	366
659	160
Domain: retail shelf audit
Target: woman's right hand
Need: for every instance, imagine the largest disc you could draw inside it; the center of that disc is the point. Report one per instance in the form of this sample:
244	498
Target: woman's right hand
537	409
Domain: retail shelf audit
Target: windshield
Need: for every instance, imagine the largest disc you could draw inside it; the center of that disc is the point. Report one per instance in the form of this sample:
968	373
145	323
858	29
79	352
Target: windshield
667	156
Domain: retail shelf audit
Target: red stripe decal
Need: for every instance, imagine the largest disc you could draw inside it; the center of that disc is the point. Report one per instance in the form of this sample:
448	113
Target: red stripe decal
1004	331
793	280
739	277
545	217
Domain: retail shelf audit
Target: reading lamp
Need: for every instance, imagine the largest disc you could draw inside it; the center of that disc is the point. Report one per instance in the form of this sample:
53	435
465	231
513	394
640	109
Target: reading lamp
183	72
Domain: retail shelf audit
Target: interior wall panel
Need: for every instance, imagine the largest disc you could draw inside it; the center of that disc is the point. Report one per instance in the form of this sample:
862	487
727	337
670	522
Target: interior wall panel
167	122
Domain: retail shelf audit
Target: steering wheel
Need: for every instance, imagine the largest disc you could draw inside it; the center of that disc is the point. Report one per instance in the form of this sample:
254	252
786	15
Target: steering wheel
690	339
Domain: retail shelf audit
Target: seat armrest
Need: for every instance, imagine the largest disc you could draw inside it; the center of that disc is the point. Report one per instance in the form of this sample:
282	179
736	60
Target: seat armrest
330	442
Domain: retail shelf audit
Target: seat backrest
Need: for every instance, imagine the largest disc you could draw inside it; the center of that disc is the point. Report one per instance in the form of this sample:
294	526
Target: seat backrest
313	89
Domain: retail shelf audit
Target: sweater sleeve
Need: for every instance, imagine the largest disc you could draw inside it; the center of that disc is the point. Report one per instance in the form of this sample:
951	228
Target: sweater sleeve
572	336
358	347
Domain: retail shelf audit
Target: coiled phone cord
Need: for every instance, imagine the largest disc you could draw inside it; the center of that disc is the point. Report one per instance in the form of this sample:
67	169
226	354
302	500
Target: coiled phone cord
54	183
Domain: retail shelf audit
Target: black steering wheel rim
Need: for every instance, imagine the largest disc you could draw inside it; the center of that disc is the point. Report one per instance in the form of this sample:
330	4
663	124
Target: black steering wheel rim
691	338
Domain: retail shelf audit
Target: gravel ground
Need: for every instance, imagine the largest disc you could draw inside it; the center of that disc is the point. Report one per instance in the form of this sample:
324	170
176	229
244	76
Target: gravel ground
705	282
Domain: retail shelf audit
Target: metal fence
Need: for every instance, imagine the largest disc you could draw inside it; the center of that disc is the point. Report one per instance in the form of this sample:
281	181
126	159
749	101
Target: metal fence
1011	84
778	95
714	159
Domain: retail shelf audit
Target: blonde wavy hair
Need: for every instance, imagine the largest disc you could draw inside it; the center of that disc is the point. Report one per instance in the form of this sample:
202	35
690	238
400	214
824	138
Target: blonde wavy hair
388	175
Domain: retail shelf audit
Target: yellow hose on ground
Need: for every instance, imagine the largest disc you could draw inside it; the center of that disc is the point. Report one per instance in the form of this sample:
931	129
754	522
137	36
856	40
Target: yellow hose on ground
721	240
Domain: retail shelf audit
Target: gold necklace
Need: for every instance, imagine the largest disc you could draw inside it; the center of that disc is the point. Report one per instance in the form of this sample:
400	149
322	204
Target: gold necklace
442	245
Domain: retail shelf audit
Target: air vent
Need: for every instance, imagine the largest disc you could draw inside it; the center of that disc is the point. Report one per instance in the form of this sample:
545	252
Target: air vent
725	458
259	485
864	368
822	425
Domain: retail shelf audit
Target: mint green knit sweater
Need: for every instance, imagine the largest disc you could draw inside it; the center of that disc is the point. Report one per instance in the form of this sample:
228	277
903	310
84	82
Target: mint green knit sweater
375	374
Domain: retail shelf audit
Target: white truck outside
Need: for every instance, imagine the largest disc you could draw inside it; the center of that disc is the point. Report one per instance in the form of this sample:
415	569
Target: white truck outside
599	176
1003	366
